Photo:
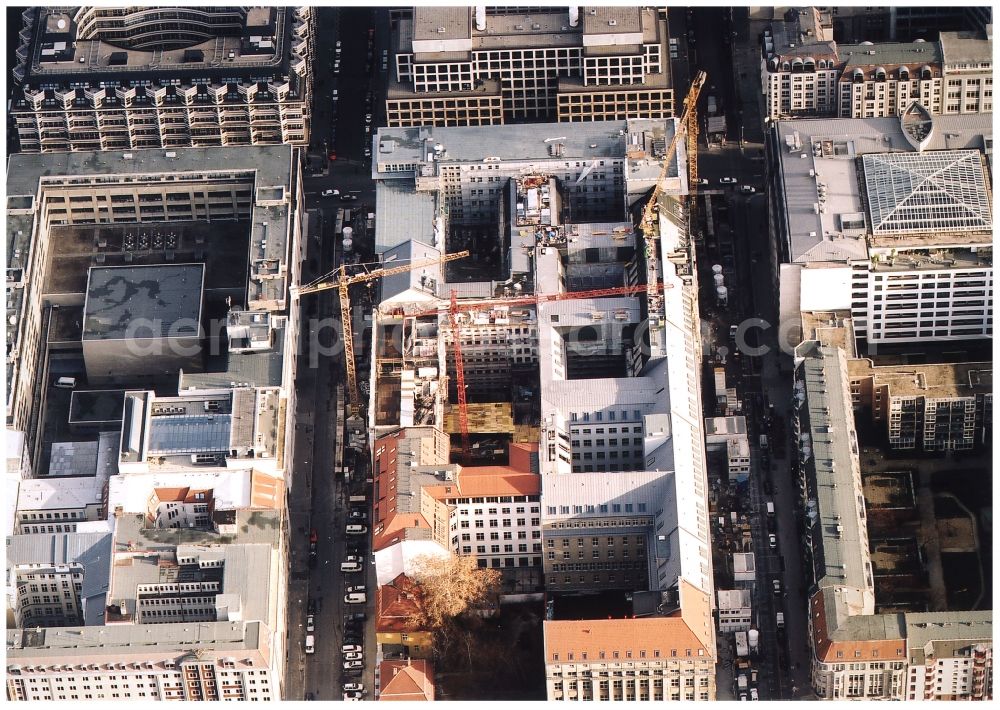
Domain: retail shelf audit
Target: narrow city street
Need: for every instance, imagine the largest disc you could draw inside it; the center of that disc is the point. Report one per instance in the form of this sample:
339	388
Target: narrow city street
740	244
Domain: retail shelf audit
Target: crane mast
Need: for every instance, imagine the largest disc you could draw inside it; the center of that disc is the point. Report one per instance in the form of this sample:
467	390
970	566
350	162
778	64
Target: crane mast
342	282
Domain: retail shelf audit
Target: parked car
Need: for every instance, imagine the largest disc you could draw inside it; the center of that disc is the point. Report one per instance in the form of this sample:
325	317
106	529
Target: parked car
356	529
350	648
354	656
310	623
356	588
776	587
368	118
348	198
753	694
353	664
727	180
702	181
747	189
330	193
336	67
358	515
354	687
353	672
350	566
355	598
356	616
310	644
772	541
66	383
354	696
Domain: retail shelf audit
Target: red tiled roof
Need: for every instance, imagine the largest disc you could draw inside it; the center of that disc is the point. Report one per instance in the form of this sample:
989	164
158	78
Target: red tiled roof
650	638
406	680
395	605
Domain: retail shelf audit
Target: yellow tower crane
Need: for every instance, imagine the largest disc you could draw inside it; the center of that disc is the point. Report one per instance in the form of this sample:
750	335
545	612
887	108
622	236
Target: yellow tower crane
340	280
687	126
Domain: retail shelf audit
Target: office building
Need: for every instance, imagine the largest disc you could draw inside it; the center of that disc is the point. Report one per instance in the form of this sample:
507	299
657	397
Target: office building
100	78
142	321
122	210
616	440
223	660
944	407
461	66
426	505
647	659
805	72
888	219
912	21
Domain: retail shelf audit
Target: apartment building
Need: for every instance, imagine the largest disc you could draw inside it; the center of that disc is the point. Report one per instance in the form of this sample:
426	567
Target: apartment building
950	656
493	65
888	219
224	660
395	628
57	579
99	78
944	407
805	72
153	192
647	659
856	653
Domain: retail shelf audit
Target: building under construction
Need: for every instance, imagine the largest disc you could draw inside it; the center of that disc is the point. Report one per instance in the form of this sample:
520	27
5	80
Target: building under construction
576	363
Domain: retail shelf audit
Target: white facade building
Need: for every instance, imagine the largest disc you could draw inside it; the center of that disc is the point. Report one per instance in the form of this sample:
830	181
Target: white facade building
233	662
901	239
735	610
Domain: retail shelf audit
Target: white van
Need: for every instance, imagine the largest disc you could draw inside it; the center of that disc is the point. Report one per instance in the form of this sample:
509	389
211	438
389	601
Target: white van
356	529
355	598
780	619
66	383
310	644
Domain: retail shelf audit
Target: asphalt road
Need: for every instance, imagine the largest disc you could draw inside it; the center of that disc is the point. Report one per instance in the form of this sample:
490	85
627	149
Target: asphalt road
320	491
784	662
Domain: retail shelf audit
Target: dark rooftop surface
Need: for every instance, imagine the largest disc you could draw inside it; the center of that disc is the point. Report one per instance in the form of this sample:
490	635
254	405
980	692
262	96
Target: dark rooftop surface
167	298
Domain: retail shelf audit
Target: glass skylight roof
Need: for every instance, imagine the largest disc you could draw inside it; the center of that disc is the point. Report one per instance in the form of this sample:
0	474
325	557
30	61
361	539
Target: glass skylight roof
938	191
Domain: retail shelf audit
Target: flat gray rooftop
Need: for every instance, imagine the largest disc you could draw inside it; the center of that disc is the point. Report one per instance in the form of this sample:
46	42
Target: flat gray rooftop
130	638
830	147
166	298
403	214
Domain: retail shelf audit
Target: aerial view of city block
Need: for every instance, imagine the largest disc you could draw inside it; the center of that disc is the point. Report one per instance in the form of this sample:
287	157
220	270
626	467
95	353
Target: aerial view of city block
499	353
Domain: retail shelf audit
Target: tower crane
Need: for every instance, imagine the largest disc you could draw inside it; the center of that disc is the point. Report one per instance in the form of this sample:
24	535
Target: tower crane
454	308
687	126
340	280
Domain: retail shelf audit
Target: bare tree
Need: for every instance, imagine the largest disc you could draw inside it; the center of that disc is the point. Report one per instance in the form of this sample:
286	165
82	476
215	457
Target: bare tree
449	587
